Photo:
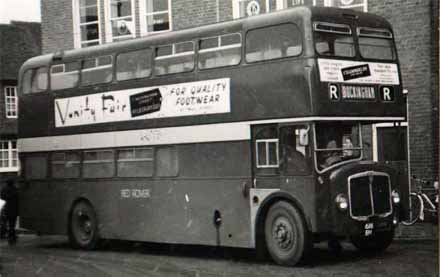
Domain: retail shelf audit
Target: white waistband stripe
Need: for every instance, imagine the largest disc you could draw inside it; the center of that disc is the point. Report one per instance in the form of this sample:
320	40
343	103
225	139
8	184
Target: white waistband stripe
235	131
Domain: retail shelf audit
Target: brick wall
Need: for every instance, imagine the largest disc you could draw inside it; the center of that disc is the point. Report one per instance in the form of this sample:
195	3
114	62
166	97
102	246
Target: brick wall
413	24
19	41
56	25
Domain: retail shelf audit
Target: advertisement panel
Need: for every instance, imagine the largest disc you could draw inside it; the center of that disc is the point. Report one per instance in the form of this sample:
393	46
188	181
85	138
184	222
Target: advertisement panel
184	99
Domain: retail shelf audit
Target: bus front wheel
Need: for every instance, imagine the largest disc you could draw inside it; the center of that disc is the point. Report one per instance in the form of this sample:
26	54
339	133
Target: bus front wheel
83	226
375	244
286	234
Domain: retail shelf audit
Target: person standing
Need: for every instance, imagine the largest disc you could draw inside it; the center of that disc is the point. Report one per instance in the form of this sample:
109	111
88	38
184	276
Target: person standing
9	193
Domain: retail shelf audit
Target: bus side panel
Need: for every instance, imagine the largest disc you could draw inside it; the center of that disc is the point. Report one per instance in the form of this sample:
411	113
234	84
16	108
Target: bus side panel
180	209
36	207
251	98
302	188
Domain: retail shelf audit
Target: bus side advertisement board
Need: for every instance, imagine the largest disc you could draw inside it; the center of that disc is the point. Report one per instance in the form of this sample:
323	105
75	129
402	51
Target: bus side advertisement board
184	99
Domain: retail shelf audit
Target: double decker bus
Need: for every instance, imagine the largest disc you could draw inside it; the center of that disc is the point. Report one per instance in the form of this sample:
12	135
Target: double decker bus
245	133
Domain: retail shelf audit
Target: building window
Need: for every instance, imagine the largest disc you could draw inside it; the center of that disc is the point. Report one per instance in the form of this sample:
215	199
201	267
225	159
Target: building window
360	5
120	23
86	23
245	8
8	155
155	16
11	102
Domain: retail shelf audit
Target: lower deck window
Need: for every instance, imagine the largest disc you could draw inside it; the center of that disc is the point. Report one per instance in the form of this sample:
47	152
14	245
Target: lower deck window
135	162
65	165
167	162
36	167
98	164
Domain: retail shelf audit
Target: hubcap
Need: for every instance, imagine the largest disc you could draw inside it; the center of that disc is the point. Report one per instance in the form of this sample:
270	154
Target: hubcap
84	226
283	233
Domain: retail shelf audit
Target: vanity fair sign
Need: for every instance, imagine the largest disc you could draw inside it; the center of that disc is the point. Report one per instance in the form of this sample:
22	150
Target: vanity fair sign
184	99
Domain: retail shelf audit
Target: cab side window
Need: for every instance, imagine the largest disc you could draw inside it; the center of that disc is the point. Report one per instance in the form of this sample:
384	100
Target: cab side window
267	156
295	156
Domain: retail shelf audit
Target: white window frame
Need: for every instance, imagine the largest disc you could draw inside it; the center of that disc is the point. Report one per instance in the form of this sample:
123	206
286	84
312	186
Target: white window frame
108	21
219	46
10	151
236	7
329	3
174	54
143	13
267	142
77	24
11	102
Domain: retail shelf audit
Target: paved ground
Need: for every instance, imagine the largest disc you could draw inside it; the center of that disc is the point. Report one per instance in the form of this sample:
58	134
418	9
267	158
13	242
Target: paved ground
52	256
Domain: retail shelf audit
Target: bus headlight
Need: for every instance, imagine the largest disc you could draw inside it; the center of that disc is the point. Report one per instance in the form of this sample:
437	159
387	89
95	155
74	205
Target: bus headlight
396	197
341	202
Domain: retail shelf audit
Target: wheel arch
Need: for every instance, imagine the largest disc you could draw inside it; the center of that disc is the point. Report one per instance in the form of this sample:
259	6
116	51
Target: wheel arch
264	208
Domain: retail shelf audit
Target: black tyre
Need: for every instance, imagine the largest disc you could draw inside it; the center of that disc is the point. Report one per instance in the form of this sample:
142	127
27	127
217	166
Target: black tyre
415	208
83	226
376	243
286	235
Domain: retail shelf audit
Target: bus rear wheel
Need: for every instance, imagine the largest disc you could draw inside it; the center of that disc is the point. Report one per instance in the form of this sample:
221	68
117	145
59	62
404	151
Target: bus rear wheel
377	243
285	233
83	226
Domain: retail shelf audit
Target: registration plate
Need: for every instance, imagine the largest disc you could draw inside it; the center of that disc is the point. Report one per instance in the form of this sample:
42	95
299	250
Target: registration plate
368	229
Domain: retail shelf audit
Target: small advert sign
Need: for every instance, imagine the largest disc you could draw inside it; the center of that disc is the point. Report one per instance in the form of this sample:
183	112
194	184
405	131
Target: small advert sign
342	71
145	102
183	99
354	72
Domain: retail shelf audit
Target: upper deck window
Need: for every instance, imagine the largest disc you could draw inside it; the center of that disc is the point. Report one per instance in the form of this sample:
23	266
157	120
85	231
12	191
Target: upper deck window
273	42
133	65
220	51
97	70
174	58
376	44
35	80
64	75
334	39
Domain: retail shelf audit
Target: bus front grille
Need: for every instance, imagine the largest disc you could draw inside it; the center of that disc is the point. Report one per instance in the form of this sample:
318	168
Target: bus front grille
369	195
